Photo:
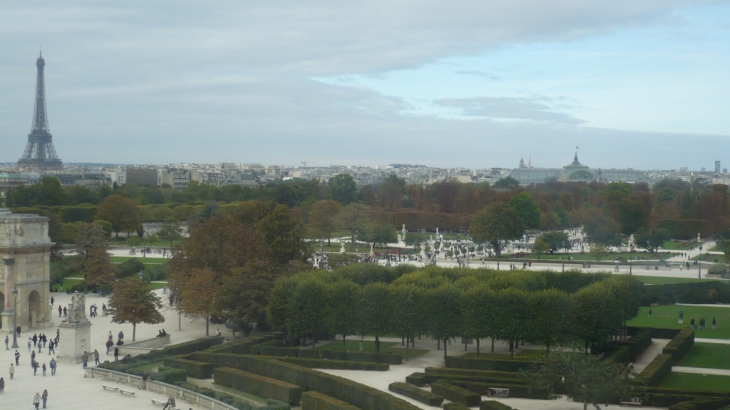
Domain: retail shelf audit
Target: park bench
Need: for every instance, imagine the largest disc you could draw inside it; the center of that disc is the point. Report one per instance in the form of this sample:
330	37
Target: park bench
635	401
112	388
498	392
129	392
162	403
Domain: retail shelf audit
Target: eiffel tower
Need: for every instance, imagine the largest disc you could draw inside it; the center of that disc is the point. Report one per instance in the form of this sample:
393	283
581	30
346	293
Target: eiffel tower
39	153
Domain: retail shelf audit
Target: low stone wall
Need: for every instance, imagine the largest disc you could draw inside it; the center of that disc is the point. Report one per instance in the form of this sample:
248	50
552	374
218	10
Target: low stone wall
158	387
143	346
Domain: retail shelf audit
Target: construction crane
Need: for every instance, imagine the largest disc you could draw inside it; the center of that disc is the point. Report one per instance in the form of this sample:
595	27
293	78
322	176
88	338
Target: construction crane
305	162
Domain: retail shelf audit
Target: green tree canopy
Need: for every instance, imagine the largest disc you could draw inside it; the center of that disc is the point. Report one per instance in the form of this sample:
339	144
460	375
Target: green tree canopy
527	209
496	223
342	189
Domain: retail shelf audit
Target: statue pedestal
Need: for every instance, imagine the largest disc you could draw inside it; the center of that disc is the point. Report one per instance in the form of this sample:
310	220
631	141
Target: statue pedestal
8	321
75	339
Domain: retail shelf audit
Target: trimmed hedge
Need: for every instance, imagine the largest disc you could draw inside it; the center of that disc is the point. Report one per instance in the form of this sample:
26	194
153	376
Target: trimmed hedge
169	375
700	404
258	385
415	393
665	397
269	350
680	345
199	370
656	332
192	346
515	390
312	400
335	364
657	370
359	395
456	394
434	374
693	292
417	379
493	405
488	364
244	346
455	406
626	351
218	395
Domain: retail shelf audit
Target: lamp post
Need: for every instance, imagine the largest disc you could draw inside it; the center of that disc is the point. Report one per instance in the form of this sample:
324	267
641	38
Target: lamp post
15	318
699	262
563	262
630	265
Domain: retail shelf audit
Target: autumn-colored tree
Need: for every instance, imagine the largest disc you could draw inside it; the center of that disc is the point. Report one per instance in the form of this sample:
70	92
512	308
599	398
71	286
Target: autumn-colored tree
88	238
390	194
170	231
353	218
98	269
496	223
121	212
199	297
322	219
132	302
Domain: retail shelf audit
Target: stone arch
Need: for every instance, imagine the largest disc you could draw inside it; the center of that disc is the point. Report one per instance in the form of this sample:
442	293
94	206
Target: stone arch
34	308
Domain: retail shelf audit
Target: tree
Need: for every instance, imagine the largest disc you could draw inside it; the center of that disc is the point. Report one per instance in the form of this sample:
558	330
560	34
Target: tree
511	312
309	304
583	378
601	229
596	315
408	318
509	183
88	238
443	313
353	218
375	311
631	216
132	302
379	233
199	297
98	269
556	241
121	212
391	192
651	241
52	192
598	251
170	231
342	188
550	318
540	246
495	223
527	209
478	303
322	219
341	312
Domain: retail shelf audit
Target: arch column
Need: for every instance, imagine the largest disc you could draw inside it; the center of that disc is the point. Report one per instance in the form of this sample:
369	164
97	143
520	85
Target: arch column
8	315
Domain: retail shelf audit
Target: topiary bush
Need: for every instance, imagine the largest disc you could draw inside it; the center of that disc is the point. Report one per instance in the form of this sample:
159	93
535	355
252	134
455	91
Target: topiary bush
415	393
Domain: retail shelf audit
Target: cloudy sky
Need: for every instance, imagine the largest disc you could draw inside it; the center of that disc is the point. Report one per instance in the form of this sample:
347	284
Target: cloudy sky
640	84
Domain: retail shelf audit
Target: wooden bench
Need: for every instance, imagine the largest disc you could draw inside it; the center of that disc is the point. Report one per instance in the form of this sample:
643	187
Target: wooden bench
112	388
635	401
129	392
497	392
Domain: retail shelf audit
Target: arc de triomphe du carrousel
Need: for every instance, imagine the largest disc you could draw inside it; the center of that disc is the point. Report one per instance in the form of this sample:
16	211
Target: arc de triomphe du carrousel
25	248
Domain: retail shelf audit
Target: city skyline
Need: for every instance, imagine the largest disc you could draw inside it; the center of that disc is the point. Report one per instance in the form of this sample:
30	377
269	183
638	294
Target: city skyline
637	86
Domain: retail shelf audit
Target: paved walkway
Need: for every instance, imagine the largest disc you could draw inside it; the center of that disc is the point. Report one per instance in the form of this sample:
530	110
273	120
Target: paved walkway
701	370
654	349
68	389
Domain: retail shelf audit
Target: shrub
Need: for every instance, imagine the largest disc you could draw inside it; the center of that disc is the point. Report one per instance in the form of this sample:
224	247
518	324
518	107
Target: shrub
657	370
224	397
515	390
488	364
455	406
417	379
312	400
359	395
258	385
434	374
268	350
199	370
128	268
415	393
695	292
717	269
456	394
272	404
680	345
192	346
700	404
335	364
493	405
169	375
656	332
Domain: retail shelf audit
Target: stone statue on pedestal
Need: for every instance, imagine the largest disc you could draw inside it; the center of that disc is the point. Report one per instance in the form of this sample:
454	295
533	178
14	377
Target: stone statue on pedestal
77	309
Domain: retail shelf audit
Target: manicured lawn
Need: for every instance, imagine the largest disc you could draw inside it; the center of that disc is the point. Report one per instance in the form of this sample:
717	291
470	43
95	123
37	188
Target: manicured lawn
368	346
691	381
666	316
146	261
654	280
680	246
710	355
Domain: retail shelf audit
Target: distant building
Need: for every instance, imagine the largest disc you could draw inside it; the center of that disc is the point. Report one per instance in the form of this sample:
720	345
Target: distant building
717	167
142	176
575	171
176	179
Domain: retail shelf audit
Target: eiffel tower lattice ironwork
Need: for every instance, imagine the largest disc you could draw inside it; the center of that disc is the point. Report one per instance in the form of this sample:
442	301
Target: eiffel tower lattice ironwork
39	152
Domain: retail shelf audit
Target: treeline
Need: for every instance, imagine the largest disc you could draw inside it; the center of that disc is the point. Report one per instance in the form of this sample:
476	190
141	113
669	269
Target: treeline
545	308
609	210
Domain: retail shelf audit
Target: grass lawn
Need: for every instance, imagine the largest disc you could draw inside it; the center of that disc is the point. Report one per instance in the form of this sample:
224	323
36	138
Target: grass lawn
691	381
710	355
654	280
680	246
667	315
147	261
412	353
368	346
73	281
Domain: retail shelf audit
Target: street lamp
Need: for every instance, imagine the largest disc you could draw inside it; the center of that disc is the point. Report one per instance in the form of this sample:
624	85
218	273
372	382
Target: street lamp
15	318
629	265
699	262
563	261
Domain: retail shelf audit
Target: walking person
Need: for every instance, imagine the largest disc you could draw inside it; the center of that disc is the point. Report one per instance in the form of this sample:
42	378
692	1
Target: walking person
650	311
34	365
17	358
96	357
36	400
6	343
714	323
44	369
116	354
12	371
44	397
30	343
109	345
60	311
53	367
2	385
84	359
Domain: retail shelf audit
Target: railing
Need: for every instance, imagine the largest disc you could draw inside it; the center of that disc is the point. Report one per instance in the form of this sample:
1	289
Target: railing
158	387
